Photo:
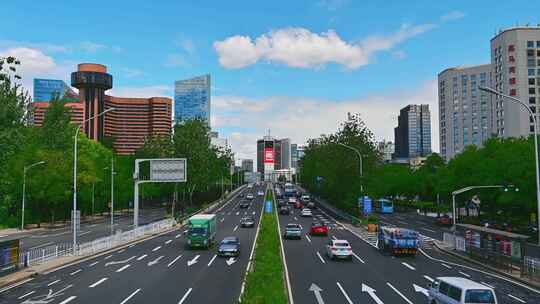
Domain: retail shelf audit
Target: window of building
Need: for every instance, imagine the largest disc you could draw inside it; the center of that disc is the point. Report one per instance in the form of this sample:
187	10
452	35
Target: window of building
532	91
512	92
511	48
530	44
531	63
531	81
538	43
512	81
532	100
511	59
530	72
530	53
512	70
531	128
538	53
533	109
538	62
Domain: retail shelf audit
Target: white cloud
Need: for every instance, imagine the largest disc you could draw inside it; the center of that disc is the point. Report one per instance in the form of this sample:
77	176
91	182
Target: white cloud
176	61
142	92
332	5
131	72
304	118
453	15
301	48
91	47
399	54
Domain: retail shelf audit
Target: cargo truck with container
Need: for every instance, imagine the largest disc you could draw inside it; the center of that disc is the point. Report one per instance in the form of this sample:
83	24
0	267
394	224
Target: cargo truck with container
201	231
398	241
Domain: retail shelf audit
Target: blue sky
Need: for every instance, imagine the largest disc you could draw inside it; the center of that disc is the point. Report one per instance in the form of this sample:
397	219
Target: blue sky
295	67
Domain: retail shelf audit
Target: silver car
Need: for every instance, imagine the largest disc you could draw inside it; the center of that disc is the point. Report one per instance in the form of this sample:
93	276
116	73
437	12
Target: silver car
339	249
292	231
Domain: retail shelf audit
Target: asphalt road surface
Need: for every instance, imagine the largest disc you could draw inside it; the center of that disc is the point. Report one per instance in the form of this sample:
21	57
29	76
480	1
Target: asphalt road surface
373	277
157	270
34	239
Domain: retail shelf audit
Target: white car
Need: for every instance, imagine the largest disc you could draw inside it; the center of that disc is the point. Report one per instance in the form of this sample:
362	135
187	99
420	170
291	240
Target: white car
250	196
260	193
306	212
250	186
305	198
455	290
339	249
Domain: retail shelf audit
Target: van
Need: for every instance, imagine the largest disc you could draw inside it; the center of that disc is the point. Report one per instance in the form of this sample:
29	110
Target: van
454	290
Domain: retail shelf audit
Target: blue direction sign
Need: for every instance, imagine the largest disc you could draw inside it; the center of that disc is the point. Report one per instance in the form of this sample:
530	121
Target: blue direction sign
268	207
368	205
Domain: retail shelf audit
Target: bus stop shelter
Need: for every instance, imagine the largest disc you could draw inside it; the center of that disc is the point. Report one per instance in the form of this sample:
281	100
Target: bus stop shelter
9	255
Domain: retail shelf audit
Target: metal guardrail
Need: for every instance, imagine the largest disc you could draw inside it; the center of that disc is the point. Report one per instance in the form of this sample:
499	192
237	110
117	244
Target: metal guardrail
531	268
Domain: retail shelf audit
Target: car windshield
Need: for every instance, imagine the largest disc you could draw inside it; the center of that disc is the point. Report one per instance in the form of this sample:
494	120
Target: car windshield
479	296
341	244
197	231
292	226
229	242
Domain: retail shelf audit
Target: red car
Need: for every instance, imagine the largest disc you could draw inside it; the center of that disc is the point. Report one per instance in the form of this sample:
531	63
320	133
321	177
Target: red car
318	229
298	205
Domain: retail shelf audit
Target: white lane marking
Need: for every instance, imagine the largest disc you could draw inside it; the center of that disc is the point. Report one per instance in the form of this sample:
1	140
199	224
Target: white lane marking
98	282
334	237
408	266
345	293
463	273
93	225
481	271
26	295
357	257
42	245
236	227
178	235
490	286
68	300
238	213
399	293
121	251
75	272
120	262
429	278
86	232
321	258
212	260
123	268
131	246
295	218
428	230
93	264
402	222
447	266
221	221
142	257
108	257
156	249
516	298
194	260
130	296
53	282
174	261
151	263
307	237
185	296
168	242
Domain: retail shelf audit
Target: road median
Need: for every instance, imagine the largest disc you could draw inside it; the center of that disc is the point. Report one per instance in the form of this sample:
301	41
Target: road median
265	282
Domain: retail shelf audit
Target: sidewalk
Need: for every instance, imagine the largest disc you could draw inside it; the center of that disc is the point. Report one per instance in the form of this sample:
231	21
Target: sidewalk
516	276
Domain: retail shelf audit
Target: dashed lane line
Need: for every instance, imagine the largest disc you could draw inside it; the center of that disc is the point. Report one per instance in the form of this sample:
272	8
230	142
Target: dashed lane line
408	266
516	298
121	251
345	293
399	293
142	257
156	249
185	296
130	296
358	258
465	274
26	295
429	278
236	227
427	229
212	260
108	257
75	272
490	286
307	237
447	266
178	235
93	264
68	300
53	282
98	282
174	261
168	242
123	268
321	258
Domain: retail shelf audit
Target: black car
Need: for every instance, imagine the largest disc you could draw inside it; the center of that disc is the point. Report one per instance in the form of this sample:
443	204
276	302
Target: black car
284	210
281	202
247	221
230	246
244	205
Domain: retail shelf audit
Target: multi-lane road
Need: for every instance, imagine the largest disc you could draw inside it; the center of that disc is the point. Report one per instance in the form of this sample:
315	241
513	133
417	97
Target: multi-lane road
156	270
372	277
34	239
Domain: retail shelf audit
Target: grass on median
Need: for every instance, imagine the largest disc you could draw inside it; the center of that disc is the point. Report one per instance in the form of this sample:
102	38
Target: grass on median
265	284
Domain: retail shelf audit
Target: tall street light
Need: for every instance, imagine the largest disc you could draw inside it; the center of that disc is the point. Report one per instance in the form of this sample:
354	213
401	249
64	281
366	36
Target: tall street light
24	189
360	158
532	114
75	175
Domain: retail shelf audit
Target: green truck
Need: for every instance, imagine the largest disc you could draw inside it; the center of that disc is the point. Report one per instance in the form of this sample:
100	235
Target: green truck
201	230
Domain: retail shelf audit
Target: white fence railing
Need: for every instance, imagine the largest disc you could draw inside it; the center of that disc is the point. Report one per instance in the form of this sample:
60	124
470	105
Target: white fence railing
449	239
40	255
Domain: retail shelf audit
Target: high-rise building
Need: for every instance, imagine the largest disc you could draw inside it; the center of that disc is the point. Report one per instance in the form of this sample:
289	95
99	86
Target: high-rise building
247	165
266	157
284	154
76	111
294	156
465	113
413	133
515	61
386	149
192	99
45	89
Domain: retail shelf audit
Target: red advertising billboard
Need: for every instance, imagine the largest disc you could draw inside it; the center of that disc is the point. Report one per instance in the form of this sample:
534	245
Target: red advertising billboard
268	155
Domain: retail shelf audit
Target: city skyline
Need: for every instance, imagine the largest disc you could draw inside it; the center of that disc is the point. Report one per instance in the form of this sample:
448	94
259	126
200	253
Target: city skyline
266	82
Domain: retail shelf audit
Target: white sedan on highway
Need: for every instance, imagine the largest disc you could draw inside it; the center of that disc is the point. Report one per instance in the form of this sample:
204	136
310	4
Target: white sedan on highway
306	212
339	249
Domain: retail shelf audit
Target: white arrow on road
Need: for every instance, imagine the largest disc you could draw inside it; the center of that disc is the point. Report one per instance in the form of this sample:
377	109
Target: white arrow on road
154	262
317	291
420	289
120	262
231	261
371	292
48	297
194	260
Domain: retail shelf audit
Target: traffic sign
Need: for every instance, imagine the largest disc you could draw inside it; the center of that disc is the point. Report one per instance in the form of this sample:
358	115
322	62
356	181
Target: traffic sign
168	170
268	207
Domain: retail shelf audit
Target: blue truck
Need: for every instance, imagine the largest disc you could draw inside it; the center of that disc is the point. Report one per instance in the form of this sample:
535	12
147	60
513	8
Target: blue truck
398	241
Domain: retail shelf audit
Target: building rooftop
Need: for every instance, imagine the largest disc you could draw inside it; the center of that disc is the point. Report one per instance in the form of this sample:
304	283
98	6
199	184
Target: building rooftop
517	28
463	67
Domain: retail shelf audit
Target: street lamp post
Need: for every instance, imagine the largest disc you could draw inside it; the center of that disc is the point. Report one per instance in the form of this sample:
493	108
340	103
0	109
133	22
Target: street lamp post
24	189
75	175
537	168
360	159
112	194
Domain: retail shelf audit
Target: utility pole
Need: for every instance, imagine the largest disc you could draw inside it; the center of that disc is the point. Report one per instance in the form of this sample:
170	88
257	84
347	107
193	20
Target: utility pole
112	195
26	168
93	198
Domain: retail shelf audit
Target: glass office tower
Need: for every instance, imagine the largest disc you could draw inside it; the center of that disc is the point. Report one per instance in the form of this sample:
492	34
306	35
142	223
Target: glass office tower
44	90
192	99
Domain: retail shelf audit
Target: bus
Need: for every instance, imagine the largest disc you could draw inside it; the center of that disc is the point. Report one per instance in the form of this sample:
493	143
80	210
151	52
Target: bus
383	206
290	190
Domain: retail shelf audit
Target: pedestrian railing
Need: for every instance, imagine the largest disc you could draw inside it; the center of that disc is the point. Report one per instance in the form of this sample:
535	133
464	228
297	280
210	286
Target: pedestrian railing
531	268
449	239
40	255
